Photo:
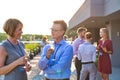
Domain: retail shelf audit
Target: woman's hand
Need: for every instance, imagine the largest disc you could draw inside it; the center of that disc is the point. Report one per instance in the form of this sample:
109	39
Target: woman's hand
22	60
27	67
104	49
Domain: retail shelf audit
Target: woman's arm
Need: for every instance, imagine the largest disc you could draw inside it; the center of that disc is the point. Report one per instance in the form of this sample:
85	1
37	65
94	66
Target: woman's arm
109	48
4	69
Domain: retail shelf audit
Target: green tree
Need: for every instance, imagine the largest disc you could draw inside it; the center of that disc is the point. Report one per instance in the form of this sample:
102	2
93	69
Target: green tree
3	37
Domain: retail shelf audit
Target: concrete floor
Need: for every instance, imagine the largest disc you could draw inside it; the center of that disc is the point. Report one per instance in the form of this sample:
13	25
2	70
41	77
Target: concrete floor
115	74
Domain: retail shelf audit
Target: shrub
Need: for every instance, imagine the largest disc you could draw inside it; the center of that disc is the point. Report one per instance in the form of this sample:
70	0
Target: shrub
32	48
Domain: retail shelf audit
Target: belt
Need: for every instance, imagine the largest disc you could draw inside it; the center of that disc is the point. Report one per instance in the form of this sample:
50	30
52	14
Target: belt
87	62
57	79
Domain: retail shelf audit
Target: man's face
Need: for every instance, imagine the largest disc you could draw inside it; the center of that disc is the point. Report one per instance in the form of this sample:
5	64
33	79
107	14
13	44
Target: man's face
56	31
82	34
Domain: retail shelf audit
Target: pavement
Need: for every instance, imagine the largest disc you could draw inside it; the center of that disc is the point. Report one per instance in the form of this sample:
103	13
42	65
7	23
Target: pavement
115	73
34	70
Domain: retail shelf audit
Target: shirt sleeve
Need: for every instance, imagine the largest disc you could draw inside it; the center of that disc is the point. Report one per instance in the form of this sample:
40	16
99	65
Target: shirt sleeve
110	46
64	61
79	53
94	54
43	62
75	47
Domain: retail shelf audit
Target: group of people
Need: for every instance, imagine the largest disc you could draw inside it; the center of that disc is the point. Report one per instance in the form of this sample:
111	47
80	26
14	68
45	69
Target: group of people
56	62
56	57
85	55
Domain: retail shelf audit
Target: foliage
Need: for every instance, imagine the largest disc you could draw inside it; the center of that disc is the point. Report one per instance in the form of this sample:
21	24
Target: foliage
3	36
33	37
96	60
26	37
32	49
71	33
32	46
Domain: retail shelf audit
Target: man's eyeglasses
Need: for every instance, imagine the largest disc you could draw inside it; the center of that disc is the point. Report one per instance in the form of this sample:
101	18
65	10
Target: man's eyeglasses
55	30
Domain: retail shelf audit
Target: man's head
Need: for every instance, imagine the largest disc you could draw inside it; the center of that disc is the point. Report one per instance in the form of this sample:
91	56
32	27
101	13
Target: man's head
81	32
44	38
58	29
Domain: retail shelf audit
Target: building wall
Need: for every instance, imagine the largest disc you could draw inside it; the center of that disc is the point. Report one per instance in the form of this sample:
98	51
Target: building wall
95	33
97	8
81	15
111	6
115	36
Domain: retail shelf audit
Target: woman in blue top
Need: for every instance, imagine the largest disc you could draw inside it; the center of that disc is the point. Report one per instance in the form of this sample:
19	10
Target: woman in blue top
13	62
56	59
87	55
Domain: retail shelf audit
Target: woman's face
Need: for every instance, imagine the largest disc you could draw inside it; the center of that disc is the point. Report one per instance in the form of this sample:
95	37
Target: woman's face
18	31
102	33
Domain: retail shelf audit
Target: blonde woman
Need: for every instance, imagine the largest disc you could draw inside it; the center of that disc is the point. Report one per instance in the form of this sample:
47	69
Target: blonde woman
105	49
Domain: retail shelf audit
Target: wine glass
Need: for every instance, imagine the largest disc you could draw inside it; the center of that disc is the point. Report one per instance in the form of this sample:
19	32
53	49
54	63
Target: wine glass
52	46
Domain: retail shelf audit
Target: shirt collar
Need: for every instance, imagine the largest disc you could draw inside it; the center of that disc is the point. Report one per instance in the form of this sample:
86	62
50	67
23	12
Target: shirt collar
80	38
61	42
87	42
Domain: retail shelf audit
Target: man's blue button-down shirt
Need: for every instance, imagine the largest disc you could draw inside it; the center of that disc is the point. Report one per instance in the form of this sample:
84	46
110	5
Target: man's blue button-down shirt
59	64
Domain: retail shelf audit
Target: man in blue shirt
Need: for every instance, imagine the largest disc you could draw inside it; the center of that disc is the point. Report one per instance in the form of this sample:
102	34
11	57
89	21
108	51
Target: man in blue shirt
57	57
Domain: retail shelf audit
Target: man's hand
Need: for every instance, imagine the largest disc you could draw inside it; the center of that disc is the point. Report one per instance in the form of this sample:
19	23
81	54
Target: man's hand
49	52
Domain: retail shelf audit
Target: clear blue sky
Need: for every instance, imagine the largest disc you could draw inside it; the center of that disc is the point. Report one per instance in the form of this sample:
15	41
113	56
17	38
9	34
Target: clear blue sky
38	15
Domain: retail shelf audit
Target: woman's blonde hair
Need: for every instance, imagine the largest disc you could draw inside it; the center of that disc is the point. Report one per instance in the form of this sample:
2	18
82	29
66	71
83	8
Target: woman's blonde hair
105	30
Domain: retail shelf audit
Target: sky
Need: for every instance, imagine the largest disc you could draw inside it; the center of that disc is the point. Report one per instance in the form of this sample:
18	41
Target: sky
37	15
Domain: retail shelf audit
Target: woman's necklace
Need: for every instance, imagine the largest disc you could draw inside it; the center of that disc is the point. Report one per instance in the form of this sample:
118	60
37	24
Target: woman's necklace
18	50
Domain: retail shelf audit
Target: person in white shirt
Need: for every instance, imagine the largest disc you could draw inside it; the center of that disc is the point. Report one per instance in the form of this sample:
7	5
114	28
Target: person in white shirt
78	41
87	55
